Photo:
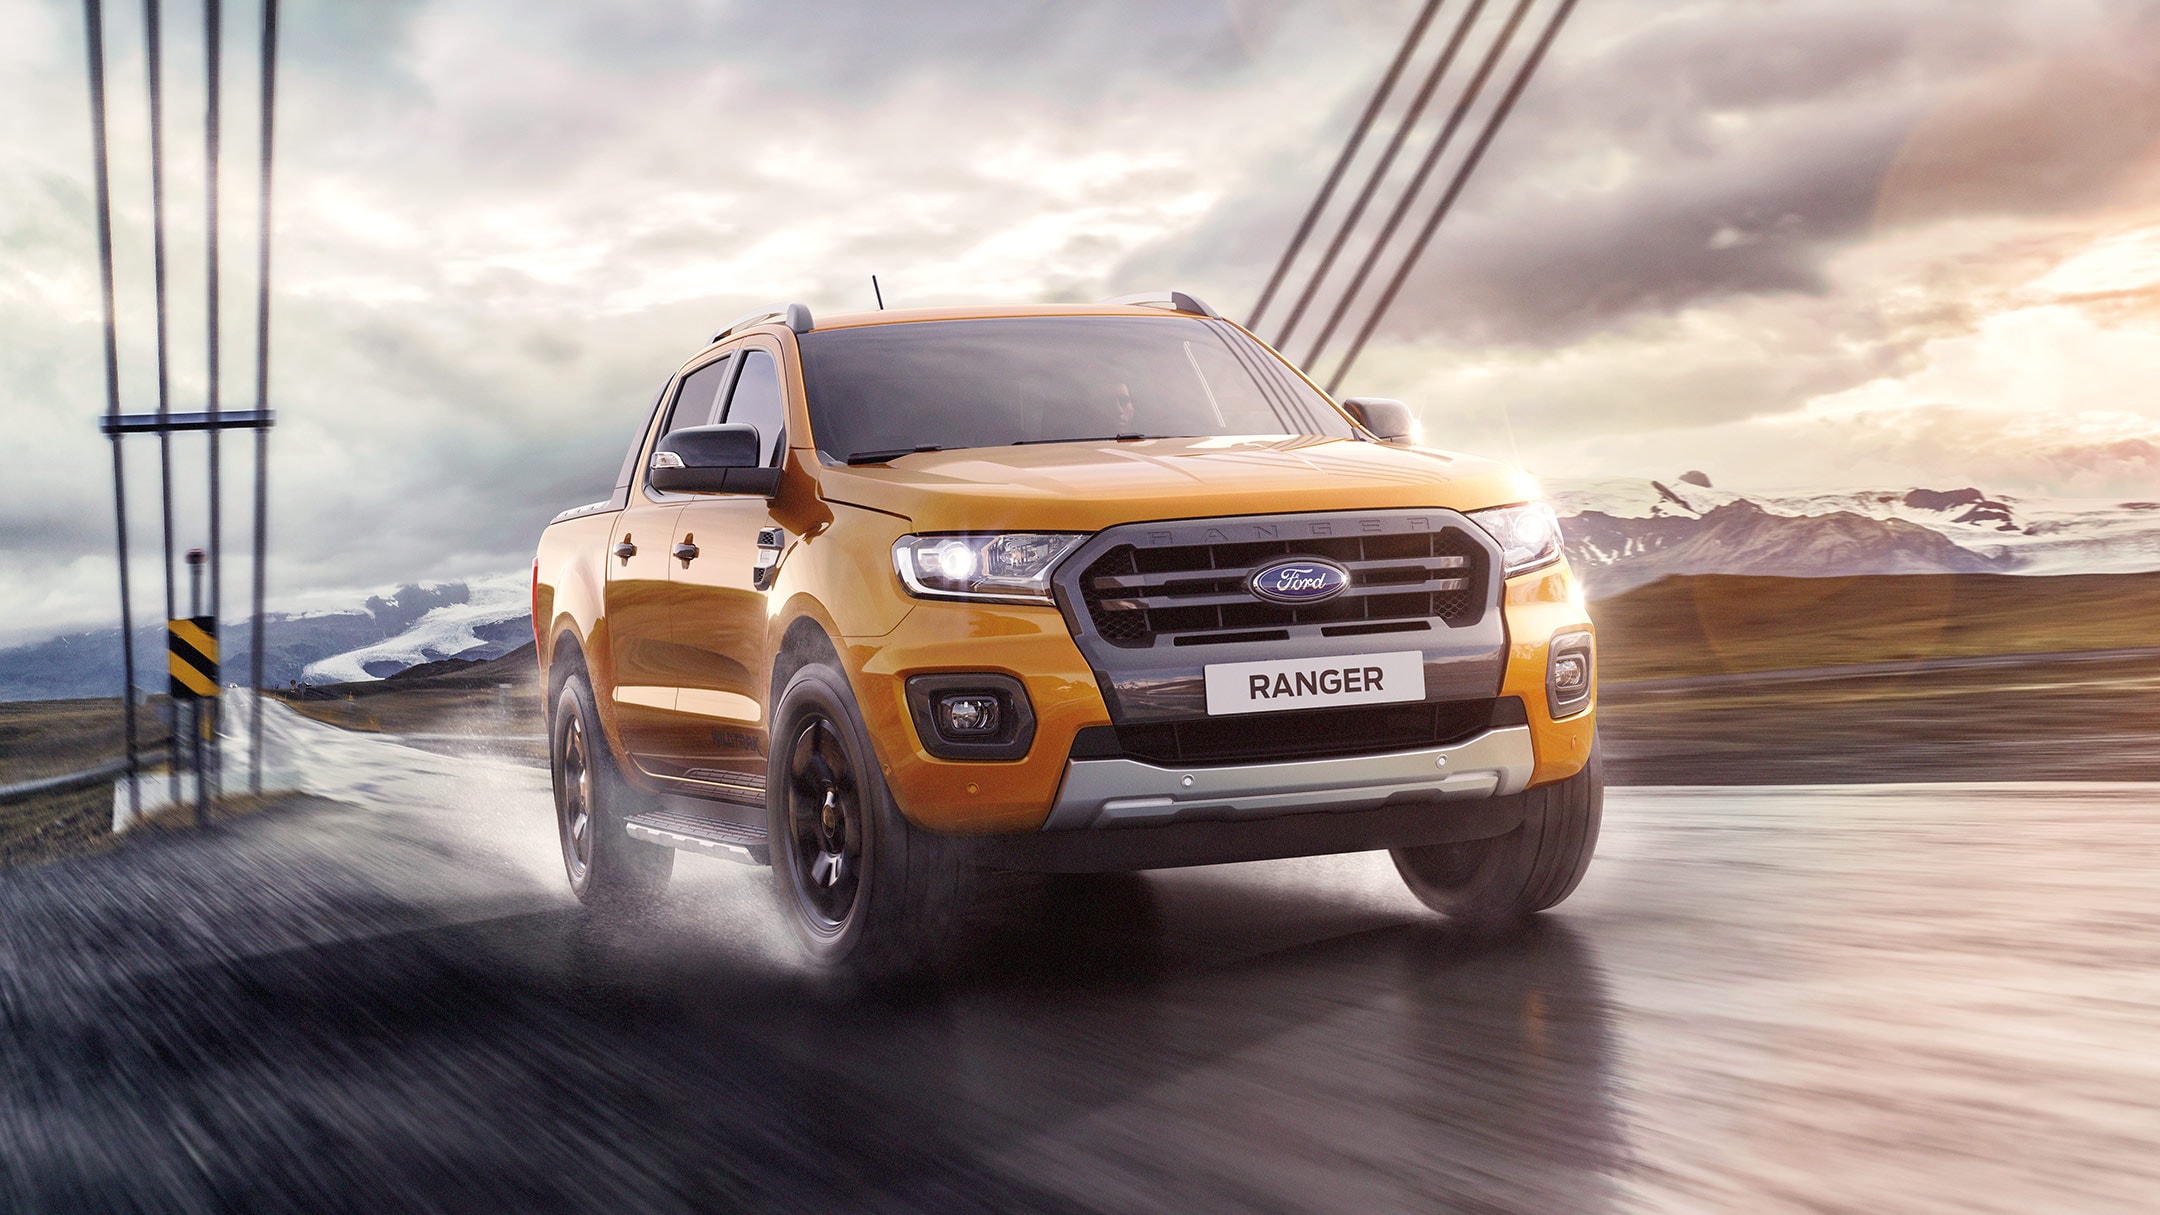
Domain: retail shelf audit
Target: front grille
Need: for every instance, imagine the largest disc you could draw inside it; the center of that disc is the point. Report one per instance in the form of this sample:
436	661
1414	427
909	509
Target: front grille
1300	734
1197	594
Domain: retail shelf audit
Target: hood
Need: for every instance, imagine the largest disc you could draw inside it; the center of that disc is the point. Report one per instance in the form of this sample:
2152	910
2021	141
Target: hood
1092	485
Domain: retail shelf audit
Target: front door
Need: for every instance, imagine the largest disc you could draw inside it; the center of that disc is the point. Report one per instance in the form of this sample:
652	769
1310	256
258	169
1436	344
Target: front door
720	609
639	622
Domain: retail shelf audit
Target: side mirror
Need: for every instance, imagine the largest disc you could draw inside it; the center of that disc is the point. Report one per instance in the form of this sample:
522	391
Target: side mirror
1389	421
723	459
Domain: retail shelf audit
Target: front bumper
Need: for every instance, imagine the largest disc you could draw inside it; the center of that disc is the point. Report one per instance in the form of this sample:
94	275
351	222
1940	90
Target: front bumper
1110	793
1016	798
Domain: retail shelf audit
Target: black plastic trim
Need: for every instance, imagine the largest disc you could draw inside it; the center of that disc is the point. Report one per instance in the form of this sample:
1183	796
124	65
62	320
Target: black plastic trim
1012	742
1564	644
1466	659
1307	734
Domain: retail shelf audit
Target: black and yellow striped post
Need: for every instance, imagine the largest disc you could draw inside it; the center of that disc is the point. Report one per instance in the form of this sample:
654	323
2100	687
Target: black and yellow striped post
192	655
192	659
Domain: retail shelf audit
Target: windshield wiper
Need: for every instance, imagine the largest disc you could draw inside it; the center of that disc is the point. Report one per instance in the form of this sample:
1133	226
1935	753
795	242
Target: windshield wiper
1125	437
886	455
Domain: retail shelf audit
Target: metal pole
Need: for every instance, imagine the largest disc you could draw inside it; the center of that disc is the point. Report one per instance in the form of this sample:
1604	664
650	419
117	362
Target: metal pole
153	58
213	25
94	30
200	715
262	396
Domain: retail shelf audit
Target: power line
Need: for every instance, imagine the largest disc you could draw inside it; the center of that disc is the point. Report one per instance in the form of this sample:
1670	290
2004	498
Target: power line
1447	200
1425	167
1411	114
1342	162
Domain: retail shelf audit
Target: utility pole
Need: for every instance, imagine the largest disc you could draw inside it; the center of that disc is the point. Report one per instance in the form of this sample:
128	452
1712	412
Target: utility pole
192	640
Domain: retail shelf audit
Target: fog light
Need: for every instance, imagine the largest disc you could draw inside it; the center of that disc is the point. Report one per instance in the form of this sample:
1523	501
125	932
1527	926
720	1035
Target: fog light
968	715
1570	672
978	715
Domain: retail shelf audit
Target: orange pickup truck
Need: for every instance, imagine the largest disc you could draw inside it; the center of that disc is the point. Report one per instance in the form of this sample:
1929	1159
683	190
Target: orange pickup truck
884	598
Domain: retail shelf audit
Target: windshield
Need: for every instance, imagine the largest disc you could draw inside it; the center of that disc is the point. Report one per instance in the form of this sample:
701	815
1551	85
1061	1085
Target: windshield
987	383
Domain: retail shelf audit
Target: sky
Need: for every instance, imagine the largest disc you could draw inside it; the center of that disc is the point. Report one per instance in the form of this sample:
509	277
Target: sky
1882	243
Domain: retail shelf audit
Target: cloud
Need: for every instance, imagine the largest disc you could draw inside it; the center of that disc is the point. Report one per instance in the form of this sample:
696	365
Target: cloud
501	227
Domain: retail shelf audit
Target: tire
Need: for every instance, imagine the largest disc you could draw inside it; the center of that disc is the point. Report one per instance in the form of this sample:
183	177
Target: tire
865	890
608	870
1494	882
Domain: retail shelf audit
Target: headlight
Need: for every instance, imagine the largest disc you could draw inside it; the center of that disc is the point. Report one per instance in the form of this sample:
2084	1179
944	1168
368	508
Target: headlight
1529	535
1012	567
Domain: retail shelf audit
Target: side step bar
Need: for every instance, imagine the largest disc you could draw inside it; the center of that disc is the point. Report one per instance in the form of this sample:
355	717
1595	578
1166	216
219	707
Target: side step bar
690	831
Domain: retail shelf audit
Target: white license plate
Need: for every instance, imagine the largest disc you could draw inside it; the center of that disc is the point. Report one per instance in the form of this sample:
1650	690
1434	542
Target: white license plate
1314	683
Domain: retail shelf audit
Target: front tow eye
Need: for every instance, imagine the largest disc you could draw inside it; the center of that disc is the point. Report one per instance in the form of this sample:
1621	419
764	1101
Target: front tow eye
687	551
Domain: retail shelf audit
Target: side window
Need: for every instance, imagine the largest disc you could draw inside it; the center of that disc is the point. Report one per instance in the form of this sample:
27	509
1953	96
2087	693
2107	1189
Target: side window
758	401
697	403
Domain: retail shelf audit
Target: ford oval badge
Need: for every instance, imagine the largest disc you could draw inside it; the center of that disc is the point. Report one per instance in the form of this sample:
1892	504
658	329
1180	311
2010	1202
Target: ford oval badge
1308	580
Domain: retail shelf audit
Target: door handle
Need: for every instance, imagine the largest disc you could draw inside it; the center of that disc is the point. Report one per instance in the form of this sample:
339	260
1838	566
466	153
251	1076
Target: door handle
626	550
686	552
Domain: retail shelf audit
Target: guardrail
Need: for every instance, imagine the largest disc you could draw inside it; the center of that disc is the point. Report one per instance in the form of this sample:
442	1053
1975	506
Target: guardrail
25	790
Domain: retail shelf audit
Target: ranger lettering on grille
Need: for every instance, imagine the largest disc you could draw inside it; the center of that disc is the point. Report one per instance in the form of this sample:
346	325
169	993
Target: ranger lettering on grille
1307	683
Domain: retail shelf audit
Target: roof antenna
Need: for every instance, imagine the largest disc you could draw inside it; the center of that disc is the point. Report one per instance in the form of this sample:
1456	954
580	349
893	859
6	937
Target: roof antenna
879	294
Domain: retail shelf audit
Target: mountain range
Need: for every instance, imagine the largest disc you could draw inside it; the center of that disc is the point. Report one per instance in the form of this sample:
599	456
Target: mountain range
1623	532
1620	532
383	634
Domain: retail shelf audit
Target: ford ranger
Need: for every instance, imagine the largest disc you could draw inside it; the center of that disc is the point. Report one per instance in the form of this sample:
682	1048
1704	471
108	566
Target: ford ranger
884	599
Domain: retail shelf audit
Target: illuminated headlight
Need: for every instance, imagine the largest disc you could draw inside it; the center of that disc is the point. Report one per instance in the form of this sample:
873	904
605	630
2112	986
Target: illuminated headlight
1010	567
1529	535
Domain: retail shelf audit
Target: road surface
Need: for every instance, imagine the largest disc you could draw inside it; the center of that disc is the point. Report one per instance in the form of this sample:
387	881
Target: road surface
1893	998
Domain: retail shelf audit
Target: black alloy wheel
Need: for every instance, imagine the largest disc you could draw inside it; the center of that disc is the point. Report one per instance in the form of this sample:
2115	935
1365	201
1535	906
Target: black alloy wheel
865	891
574	799
607	868
825	822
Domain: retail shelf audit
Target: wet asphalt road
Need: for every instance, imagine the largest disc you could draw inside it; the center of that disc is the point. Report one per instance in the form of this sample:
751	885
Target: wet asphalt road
1914	998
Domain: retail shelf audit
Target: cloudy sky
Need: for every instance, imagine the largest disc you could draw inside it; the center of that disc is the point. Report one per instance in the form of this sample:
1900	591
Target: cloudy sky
1889	242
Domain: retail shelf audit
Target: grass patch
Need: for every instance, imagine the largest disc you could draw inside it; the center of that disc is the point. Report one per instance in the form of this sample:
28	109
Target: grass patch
55	825
1714	623
40	738
429	711
2042	720
79	822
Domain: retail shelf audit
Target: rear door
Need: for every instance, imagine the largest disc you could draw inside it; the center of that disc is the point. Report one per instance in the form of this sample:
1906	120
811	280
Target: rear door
638	621
719	609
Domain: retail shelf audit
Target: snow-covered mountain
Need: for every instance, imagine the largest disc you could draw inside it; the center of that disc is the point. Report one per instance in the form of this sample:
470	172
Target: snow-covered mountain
377	636
1621	532
1626	531
494	618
